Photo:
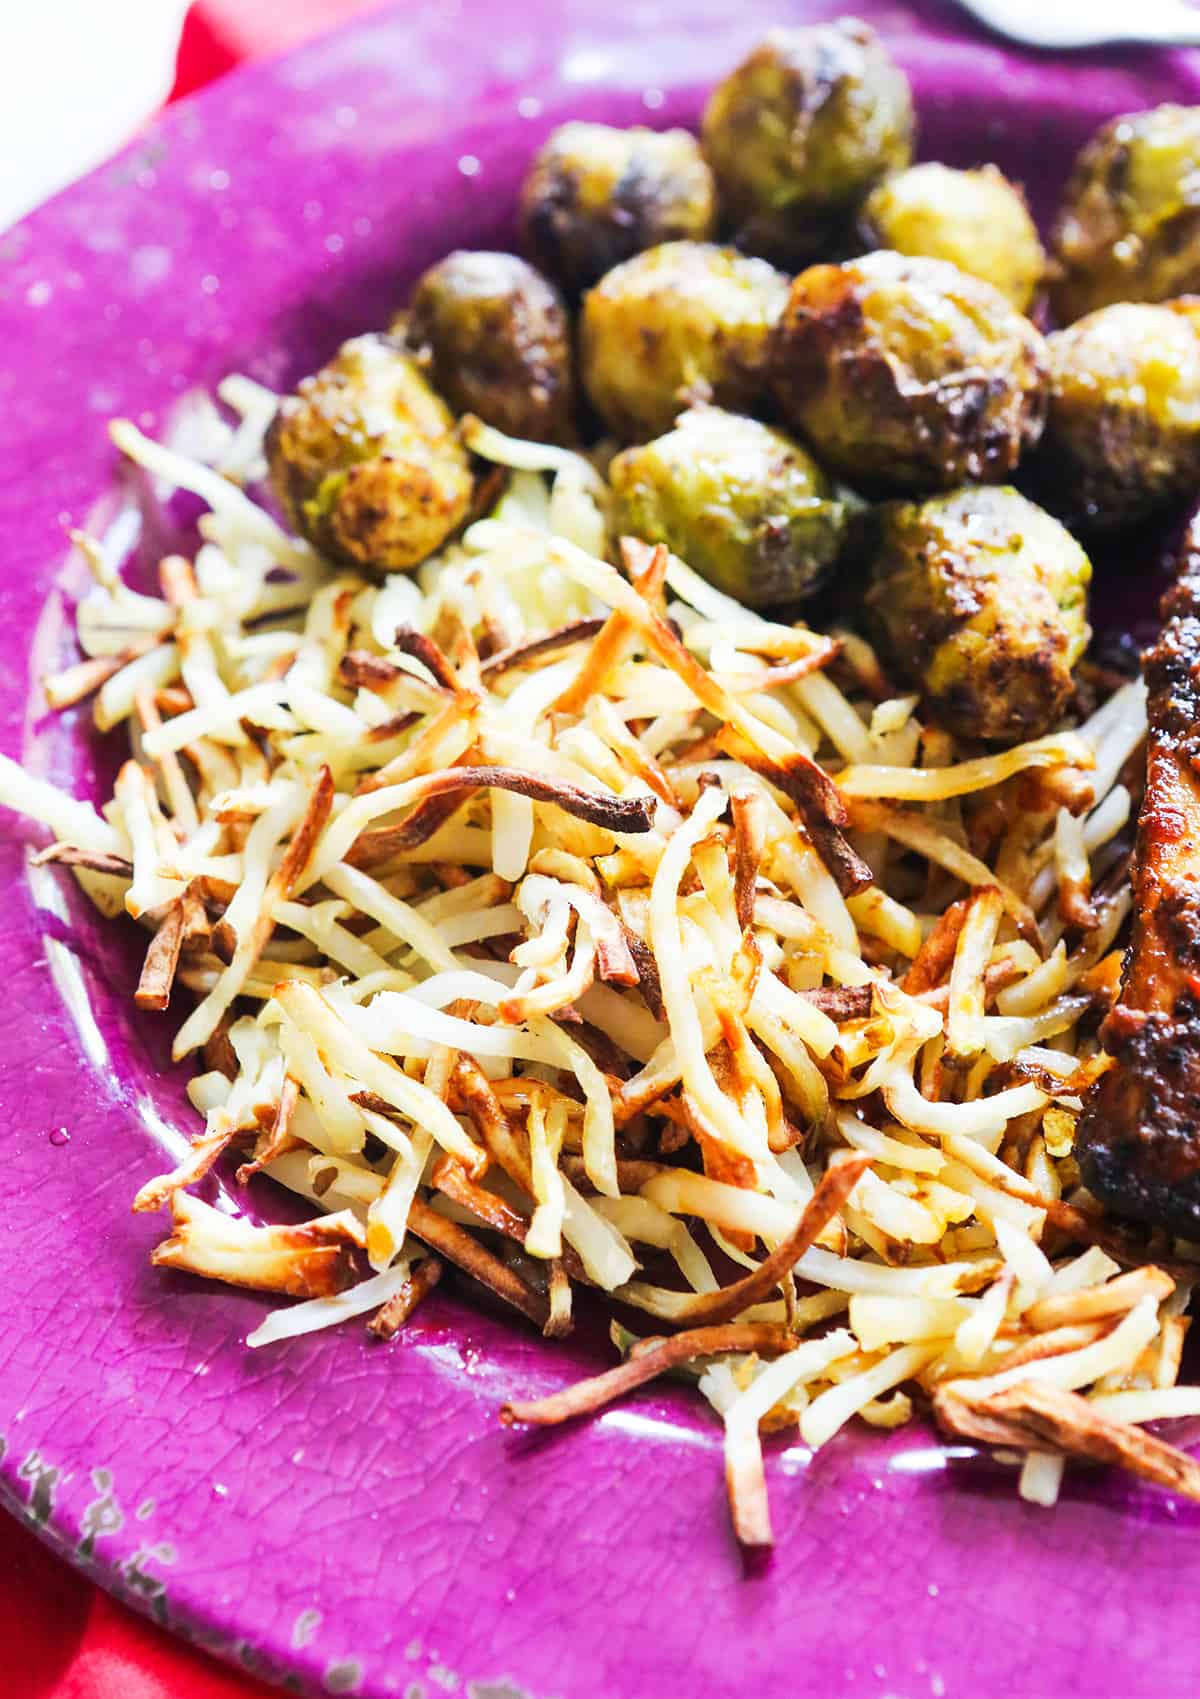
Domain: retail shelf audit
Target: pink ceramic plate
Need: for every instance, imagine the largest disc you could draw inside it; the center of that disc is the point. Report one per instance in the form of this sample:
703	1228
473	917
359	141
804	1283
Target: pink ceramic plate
344	1515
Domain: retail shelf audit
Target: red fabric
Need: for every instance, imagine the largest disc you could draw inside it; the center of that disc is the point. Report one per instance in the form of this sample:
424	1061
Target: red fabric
62	1637
65	1639
220	33
205	52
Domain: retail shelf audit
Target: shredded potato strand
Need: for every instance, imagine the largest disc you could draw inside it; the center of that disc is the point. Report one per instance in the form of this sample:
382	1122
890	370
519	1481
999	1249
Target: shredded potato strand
541	911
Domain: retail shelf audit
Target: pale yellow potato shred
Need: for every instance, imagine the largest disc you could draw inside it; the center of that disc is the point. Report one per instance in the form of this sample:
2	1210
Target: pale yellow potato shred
629	1001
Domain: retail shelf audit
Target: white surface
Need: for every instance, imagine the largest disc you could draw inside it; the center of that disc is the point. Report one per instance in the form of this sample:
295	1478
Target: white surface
77	78
1087	23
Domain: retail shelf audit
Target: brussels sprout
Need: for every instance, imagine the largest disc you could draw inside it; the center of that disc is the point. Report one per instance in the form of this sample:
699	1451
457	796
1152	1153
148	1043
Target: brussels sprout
1123	431
684	322
1129	226
598	195
977	220
800	131
365	461
496	338
980	598
907	374
743	504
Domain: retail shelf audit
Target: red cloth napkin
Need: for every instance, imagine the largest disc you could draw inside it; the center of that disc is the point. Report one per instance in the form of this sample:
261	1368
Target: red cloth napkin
63	1638
218	34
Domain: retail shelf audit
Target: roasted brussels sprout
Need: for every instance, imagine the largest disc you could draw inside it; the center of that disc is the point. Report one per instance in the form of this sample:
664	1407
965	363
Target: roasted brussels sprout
801	130
977	220
684	322
1123	431
1129	227
598	195
980	598
496	338
742	503
907	374
365	460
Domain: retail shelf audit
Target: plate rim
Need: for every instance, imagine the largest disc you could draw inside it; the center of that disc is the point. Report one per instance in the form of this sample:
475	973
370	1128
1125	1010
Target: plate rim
134	1577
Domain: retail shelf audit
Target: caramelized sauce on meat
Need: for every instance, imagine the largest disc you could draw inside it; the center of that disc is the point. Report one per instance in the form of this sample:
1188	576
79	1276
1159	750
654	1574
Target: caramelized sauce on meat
1139	1136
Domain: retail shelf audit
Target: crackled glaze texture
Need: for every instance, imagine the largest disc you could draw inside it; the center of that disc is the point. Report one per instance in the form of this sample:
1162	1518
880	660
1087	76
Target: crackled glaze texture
346	1516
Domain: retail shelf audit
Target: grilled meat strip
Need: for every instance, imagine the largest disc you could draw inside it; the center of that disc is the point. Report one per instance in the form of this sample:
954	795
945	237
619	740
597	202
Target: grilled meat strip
1138	1141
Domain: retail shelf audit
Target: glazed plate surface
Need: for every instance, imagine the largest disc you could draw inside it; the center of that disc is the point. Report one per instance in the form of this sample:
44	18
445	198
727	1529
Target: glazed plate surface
340	1515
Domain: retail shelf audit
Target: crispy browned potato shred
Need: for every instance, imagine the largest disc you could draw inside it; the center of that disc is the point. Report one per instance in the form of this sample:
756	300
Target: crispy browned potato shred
559	915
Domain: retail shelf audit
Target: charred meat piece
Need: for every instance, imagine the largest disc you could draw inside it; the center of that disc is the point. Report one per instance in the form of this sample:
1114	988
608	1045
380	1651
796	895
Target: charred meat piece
1139	1136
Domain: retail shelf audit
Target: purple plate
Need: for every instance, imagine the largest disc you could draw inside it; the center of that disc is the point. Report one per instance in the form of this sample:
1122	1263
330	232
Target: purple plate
345	1516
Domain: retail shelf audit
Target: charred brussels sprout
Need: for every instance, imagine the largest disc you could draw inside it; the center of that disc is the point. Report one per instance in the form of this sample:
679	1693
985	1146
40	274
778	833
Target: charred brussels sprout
980	598
801	130
598	195
977	220
743	504
907	374
1129	227
684	322
497	341
365	460
1123	431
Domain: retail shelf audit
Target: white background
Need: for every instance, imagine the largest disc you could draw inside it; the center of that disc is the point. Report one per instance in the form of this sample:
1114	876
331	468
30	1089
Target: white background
77	78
